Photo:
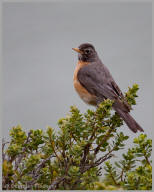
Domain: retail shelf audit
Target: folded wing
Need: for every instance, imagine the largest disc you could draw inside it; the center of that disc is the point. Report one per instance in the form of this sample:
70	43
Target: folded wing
98	81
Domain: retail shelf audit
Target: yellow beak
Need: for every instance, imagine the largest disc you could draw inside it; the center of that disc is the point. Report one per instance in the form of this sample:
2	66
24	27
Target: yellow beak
77	50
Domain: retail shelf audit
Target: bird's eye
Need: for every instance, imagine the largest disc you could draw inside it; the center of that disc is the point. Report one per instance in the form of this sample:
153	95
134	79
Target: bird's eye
87	51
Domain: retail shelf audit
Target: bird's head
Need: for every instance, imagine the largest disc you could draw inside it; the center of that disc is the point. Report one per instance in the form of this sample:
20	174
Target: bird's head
86	52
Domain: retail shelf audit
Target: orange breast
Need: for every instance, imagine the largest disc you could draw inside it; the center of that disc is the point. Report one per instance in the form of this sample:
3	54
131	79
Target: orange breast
83	93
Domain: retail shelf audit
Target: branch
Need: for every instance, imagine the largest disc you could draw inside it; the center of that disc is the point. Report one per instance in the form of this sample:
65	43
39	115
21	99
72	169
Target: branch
121	175
147	160
22	153
114	180
87	167
37	171
3	145
56	182
104	158
87	146
104	139
54	150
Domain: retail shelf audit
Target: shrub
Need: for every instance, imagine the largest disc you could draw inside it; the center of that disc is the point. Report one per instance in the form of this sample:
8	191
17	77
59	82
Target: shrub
73	157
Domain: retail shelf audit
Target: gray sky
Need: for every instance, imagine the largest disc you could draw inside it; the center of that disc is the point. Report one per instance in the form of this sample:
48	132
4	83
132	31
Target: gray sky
38	61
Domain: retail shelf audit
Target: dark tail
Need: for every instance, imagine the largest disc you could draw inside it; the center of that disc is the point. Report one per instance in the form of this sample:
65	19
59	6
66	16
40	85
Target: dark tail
130	121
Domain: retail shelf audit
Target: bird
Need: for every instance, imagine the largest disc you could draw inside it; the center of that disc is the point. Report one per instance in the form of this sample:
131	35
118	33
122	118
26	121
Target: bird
94	83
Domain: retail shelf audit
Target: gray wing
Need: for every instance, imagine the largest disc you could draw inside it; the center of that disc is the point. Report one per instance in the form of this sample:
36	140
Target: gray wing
97	79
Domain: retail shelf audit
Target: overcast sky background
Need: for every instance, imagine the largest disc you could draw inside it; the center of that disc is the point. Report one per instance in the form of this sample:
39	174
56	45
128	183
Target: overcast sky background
38	61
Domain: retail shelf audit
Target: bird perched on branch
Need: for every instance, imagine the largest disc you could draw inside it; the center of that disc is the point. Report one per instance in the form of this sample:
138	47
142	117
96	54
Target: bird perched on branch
94	83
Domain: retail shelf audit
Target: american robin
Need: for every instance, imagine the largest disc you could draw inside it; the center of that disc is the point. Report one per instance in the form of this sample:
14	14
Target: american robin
94	83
